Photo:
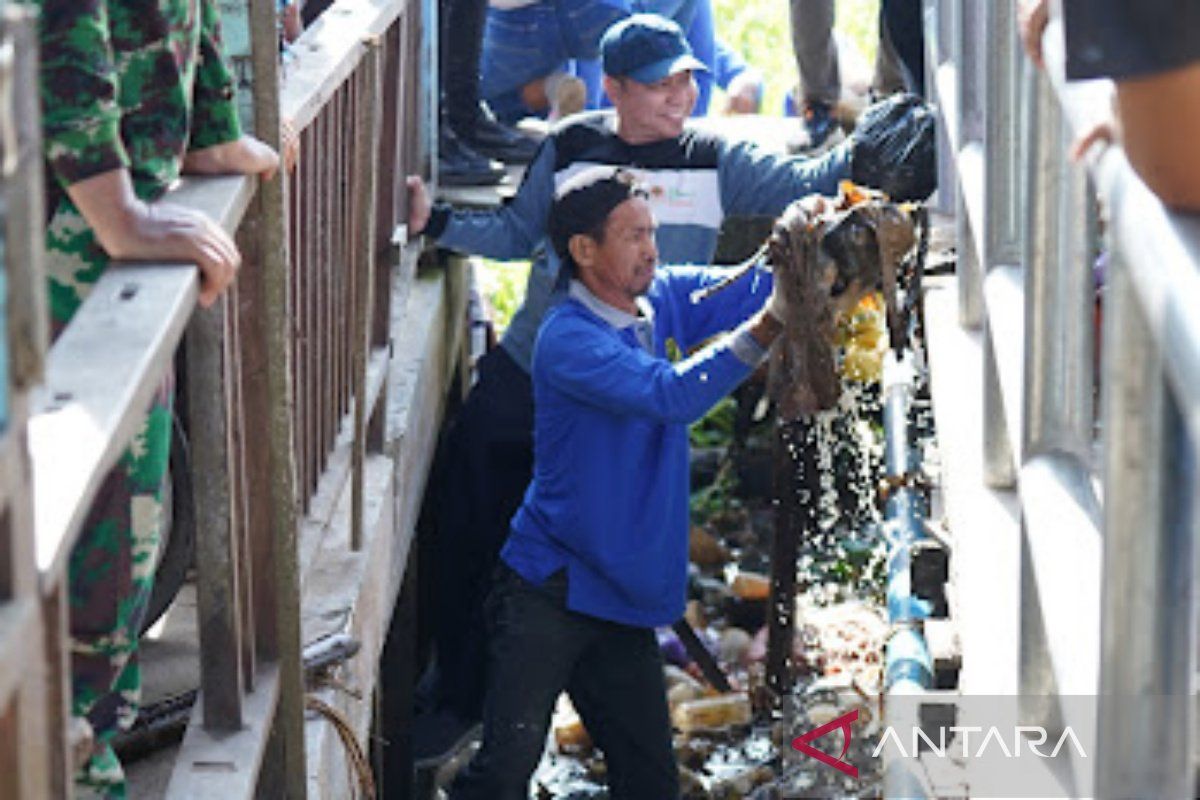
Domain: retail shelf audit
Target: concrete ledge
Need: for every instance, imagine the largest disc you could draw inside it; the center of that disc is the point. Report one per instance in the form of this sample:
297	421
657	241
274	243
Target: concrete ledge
224	765
984	524
347	591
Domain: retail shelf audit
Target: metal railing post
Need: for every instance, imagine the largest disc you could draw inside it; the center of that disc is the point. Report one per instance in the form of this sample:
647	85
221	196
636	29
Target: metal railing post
968	32
937	20
1058	340
1147	664
1002	141
999	465
272	279
1001	220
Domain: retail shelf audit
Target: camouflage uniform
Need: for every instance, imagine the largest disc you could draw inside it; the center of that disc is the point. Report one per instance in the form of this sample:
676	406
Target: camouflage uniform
128	84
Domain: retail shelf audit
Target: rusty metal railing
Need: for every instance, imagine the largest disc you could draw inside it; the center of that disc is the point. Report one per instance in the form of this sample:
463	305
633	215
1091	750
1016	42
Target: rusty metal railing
284	395
349	91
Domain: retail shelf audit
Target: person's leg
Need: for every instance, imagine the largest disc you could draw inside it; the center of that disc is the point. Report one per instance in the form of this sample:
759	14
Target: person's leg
815	50
111	574
489	463
462	48
520	45
617	688
702	37
110	571
901	22
820	80
534	643
583	22
889	71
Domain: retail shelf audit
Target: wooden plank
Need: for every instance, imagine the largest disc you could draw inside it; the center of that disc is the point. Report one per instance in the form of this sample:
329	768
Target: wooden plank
224	765
329	51
100	377
217	596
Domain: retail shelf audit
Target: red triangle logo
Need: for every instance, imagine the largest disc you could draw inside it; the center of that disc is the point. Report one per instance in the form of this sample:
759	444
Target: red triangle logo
801	743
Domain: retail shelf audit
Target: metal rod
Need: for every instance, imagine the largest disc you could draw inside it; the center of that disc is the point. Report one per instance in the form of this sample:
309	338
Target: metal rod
217	593
797	485
1002	174
367	127
273	273
1058	337
700	654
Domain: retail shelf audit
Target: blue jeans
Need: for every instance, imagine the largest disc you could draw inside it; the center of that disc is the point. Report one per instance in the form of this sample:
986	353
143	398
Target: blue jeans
523	44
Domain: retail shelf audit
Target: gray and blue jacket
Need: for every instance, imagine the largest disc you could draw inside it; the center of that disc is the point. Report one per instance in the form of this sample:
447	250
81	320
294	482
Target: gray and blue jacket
695	181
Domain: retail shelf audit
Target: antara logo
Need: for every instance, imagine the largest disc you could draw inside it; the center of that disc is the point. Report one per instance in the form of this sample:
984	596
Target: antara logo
801	743
1034	738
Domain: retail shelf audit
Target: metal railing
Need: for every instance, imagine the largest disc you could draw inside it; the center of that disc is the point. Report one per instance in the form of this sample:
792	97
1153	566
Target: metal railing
33	745
284	395
1107	543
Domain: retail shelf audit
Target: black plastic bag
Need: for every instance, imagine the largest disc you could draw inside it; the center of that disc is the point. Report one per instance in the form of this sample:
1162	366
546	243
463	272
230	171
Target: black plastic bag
895	148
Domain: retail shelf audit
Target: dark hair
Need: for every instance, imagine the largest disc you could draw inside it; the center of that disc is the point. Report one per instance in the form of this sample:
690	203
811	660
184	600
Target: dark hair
583	203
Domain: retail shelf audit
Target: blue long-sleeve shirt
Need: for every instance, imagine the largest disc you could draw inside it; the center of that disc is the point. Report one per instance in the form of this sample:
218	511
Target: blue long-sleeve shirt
695	181
609	496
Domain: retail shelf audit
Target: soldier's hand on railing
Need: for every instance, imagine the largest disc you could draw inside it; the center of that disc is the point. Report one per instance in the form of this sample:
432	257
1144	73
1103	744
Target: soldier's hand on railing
419	205
131	230
1032	17
244	156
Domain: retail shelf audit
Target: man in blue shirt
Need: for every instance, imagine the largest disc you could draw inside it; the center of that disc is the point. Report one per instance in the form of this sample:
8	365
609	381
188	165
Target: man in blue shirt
597	556
696	179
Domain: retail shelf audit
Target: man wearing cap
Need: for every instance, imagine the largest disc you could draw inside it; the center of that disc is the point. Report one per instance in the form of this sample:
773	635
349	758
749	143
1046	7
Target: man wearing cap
694	179
597	557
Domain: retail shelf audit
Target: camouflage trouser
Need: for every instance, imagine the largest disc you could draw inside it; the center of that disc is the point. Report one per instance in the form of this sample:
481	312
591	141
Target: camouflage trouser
112	563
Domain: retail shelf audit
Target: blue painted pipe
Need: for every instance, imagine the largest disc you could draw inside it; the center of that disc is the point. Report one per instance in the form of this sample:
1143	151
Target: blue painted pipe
907	662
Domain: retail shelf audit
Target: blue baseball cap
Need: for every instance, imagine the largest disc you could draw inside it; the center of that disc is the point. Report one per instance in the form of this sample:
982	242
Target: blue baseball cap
647	48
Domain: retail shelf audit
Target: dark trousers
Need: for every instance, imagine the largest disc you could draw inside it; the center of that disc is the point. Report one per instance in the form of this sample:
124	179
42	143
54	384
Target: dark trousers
461	48
904	24
613	674
483	468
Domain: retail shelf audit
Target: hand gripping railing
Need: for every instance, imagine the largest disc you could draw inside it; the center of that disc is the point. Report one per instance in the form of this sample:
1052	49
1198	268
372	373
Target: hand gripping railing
1107	573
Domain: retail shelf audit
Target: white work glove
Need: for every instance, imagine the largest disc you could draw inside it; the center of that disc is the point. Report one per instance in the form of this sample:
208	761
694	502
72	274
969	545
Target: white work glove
777	305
